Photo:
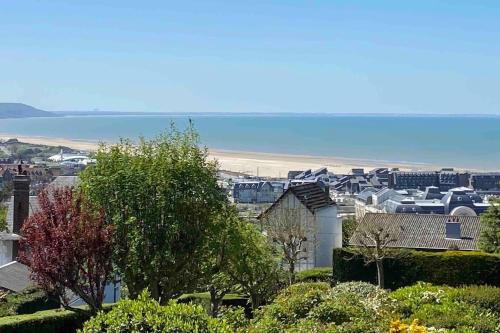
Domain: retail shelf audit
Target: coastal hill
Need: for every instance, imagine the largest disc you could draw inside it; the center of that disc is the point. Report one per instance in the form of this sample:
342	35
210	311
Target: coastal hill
20	110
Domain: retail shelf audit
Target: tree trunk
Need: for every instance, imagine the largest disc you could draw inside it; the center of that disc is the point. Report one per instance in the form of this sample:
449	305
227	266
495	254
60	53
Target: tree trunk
291	272
154	290
215	302
380	273
255	298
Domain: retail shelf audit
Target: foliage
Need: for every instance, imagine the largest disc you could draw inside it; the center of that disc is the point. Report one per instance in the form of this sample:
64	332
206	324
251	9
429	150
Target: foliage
443	307
453	268
286	228
489	240
147	315
485	297
67	246
256	269
315	307
318	274
48	321
349	225
235	316
218	253
161	196
3	218
27	301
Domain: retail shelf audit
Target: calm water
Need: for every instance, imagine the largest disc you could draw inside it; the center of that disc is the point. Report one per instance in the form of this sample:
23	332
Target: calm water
472	142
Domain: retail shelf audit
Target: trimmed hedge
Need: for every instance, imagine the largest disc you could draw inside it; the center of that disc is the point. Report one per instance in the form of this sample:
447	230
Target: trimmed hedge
319	274
453	268
49	321
28	301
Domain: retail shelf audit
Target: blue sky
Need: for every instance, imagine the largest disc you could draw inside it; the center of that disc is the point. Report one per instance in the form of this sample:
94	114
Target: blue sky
252	56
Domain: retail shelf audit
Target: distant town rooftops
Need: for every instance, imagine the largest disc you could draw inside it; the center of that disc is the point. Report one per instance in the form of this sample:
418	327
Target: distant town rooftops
311	195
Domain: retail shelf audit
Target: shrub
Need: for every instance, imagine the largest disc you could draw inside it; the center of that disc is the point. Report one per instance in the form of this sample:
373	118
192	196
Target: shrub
315	307
320	274
49	321
28	301
147	315
235	317
410	299
484	297
453	268
442	307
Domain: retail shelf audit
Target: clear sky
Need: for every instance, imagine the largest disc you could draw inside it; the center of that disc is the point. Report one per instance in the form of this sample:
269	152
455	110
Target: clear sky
252	56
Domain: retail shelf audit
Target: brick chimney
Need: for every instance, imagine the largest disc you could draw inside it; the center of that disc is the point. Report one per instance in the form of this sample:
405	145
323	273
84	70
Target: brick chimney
21	207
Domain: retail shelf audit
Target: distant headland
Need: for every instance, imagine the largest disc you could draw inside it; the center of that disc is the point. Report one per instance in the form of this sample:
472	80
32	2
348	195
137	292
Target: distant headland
20	110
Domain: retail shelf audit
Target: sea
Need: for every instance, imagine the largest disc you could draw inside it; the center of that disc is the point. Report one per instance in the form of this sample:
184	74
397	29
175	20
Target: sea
447	141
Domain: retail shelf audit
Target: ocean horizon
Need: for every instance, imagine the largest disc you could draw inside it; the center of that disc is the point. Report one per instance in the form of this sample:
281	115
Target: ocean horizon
462	141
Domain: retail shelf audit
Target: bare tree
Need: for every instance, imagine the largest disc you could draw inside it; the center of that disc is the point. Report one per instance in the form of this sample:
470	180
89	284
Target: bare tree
290	230
374	245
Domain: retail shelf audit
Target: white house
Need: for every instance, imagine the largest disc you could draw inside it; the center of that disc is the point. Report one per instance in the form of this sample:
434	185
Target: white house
318	214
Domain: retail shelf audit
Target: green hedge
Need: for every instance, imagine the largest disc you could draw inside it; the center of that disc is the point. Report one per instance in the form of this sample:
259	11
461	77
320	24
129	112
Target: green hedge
319	274
49	321
28	301
453	268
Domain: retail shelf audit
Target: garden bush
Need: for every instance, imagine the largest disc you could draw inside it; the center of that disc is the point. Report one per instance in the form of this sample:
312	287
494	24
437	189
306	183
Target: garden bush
147	315
319	274
316	307
28	301
48	321
453	268
442	307
485	297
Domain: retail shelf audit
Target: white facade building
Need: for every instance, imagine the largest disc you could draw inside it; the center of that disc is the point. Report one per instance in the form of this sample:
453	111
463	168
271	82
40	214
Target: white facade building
318	215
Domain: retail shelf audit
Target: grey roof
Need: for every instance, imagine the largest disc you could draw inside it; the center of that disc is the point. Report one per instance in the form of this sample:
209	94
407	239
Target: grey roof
366	193
10	210
63	181
15	276
421	231
310	195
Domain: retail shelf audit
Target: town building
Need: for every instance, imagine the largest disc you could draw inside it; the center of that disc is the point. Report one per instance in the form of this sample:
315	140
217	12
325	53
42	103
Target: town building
318	213
457	202
257	191
486	182
423	231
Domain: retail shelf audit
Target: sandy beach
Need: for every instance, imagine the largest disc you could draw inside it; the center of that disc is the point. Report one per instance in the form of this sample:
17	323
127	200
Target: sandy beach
254	163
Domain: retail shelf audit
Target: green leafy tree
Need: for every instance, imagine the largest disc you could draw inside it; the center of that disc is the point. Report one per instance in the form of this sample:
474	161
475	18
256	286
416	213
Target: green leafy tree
161	195
218	253
489	240
256	269
349	225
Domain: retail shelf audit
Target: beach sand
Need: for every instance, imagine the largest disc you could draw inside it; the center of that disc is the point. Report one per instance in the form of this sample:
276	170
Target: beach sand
253	163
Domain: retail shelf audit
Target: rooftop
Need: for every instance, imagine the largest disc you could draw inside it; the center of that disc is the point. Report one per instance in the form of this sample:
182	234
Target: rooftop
422	231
